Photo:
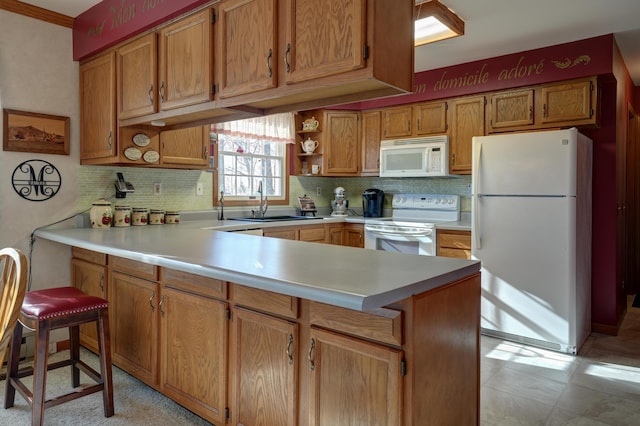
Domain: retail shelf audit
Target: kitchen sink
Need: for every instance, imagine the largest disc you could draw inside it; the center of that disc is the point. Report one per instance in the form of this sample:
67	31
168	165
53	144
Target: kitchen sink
273	218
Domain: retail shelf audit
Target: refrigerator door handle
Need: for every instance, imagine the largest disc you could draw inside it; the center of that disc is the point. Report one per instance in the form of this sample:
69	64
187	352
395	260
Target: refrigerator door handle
476	168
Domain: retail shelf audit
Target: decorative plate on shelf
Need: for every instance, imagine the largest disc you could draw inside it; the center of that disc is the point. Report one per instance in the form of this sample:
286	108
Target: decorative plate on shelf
151	157
133	154
141	139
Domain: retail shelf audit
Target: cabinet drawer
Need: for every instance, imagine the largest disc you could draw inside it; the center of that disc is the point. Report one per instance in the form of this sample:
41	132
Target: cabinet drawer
133	267
382	325
265	301
452	252
194	283
450	239
89	255
286	234
312	234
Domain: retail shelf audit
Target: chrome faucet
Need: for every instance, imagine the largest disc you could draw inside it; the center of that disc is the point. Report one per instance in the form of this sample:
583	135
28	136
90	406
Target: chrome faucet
262	207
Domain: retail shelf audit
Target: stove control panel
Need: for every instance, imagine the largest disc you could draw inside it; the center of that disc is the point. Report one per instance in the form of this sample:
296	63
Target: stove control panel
426	201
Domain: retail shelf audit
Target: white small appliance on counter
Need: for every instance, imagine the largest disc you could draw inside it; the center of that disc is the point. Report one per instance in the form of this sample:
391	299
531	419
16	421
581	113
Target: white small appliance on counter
339	203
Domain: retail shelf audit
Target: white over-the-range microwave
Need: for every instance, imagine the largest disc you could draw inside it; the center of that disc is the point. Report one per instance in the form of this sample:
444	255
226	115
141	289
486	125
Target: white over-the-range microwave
415	157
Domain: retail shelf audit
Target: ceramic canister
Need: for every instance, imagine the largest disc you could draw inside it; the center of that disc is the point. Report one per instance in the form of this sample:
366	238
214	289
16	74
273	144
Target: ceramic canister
156	217
171	217
101	214
122	216
139	216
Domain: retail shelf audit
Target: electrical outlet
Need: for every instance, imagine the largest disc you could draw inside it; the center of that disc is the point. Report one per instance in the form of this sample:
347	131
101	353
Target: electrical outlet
318	191
157	188
199	189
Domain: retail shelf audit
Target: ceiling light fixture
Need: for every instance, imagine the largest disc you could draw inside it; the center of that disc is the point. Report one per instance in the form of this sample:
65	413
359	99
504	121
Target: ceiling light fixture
434	22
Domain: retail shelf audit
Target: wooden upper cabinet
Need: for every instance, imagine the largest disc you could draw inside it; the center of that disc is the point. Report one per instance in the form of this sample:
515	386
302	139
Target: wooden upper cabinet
397	122
248	58
430	118
186	61
341	143
188	146
324	38
371	127
466	119
98	130
512	109
573	102
137	77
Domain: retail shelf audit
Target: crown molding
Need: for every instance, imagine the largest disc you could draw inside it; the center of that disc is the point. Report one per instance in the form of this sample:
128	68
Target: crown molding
36	12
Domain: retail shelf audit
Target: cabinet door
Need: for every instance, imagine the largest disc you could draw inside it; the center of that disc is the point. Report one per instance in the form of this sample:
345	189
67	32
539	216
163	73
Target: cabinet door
396	122
453	243
134	316
341	143
248	58
324	38
264	357
188	146
466	121
511	109
371	127
336	234
430	118
354	235
353	382
193	326
570	102
98	108
137	77
185	61
91	279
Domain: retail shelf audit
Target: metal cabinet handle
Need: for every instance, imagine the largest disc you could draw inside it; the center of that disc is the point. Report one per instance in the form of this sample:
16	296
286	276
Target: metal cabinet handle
205	152
153	294
287	53
288	352
311	355
269	68
161	306
545	113
151	94
102	283
109	139
161	92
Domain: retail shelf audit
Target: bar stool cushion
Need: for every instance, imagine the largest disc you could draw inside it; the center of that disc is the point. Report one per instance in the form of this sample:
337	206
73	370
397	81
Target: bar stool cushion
59	302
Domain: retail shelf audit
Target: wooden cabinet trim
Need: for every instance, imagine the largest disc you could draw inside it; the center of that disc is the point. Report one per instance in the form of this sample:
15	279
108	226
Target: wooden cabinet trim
264	301
133	267
383	325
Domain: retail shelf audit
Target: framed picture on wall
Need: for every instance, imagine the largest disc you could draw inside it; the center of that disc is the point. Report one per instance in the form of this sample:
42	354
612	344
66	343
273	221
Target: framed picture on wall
32	132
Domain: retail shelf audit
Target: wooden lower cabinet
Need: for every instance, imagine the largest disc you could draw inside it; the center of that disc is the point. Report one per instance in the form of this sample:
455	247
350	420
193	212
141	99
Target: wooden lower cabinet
354	381
133	313
453	243
253	357
89	274
192	325
264	362
354	235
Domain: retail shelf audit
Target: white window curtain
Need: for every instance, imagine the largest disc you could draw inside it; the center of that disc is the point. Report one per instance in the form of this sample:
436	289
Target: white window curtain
272	128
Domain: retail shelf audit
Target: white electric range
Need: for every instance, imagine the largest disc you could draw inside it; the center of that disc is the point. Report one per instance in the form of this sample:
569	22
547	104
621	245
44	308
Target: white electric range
411	228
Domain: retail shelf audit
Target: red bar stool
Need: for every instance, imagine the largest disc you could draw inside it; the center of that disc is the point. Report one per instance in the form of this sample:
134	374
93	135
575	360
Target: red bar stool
46	310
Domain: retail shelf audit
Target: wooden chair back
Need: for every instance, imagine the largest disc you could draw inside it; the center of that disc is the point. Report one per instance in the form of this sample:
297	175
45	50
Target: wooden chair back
13	286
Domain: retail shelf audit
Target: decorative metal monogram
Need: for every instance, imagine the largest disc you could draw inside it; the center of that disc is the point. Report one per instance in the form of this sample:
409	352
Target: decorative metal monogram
36	180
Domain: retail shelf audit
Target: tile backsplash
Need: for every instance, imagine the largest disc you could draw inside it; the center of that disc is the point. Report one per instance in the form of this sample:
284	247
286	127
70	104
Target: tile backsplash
178	188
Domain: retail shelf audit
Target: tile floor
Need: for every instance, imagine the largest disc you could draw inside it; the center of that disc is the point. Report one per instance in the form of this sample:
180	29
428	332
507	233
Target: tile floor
523	385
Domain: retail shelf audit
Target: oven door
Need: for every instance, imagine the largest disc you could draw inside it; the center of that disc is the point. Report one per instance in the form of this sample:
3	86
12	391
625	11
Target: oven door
410	242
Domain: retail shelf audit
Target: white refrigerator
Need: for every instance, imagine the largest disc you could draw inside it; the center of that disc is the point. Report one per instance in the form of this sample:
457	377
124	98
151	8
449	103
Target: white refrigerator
531	229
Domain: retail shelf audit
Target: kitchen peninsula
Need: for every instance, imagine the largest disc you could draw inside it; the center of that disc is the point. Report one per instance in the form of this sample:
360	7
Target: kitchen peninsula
243	329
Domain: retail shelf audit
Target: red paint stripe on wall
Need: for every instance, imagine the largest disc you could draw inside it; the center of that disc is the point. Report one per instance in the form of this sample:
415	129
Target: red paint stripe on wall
112	21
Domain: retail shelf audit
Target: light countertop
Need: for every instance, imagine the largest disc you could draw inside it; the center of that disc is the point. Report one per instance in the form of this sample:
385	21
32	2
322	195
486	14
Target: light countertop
349	277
